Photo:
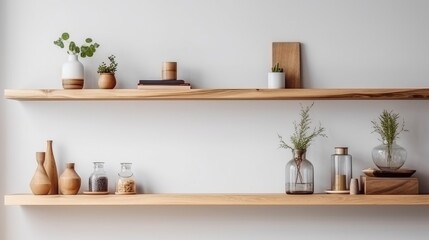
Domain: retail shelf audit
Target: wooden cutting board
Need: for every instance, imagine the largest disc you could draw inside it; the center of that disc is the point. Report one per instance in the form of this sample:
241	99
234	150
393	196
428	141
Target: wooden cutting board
288	55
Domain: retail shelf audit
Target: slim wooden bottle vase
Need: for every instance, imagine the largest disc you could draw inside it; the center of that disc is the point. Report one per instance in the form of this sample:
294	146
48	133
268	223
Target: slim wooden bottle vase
51	168
69	181
40	183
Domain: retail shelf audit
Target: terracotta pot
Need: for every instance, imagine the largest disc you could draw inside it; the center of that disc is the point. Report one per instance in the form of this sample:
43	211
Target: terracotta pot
107	81
69	181
40	183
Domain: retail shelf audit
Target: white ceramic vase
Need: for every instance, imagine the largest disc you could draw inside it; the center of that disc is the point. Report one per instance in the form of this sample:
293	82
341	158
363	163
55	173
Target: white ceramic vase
276	80
73	73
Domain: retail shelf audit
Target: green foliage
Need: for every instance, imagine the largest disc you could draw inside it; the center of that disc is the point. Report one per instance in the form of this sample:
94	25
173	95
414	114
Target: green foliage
103	68
85	50
276	68
303	135
388	127
65	36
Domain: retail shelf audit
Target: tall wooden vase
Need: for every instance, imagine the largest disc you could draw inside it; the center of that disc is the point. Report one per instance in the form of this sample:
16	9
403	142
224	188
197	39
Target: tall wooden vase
51	168
40	183
69	181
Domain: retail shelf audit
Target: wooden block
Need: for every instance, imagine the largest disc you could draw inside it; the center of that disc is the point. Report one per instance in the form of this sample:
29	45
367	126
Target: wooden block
390	186
288	55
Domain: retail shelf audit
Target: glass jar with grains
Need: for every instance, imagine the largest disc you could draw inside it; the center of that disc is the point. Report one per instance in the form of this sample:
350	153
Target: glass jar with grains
126	183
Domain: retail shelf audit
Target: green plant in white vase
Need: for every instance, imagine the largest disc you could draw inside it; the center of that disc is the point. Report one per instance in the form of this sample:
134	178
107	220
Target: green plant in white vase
73	70
389	155
276	68
300	171
87	49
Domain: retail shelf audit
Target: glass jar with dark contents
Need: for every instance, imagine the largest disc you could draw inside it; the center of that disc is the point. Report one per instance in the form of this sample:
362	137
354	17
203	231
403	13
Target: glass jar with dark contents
98	181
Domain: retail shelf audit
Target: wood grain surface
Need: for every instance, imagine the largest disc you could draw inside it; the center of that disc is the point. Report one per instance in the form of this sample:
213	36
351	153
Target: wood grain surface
218	200
392	186
288	55
220	94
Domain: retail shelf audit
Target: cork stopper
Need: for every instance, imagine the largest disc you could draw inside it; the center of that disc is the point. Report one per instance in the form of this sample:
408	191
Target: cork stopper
341	150
69	165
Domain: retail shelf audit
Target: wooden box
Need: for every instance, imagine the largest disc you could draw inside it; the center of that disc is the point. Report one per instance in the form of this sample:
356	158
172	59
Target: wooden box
390	186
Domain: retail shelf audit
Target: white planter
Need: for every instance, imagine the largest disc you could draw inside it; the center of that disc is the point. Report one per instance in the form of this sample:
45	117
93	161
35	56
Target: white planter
276	80
72	73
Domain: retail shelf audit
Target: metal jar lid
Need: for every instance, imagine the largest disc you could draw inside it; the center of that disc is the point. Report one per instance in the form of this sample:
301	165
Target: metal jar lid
341	150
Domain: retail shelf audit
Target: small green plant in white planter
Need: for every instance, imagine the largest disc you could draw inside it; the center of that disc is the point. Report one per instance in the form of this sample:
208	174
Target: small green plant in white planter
276	78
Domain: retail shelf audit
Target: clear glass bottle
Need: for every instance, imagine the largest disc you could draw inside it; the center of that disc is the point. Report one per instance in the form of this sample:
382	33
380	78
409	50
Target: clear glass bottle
98	181
341	169
126	183
299	174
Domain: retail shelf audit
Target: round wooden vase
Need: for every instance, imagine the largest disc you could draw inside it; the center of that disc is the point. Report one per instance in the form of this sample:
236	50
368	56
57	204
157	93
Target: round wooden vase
51	168
69	181
107	81
40	183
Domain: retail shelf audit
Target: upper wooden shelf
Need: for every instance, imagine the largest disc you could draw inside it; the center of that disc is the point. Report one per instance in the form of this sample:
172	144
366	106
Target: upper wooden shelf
219	200
219	94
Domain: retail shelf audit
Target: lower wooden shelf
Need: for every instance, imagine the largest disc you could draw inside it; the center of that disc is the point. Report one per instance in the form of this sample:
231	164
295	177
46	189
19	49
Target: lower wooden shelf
217	200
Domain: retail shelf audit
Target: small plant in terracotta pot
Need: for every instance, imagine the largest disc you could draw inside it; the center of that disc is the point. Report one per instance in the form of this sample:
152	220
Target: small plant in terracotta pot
107	78
300	171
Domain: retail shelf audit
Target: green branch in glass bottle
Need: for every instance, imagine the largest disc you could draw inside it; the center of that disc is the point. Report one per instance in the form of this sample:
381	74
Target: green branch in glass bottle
301	139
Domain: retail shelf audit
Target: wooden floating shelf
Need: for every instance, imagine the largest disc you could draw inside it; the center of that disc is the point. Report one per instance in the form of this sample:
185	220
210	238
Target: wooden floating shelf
220	94
218	200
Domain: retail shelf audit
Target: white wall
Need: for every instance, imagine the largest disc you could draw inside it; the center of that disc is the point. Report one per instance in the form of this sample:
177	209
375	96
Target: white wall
2	118
209	146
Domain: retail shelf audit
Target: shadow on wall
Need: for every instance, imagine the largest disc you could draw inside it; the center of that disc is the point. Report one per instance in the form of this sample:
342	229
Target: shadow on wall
2	128
235	222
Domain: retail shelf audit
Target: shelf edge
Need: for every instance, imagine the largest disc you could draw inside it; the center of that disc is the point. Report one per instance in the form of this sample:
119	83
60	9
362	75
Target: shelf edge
217	200
219	94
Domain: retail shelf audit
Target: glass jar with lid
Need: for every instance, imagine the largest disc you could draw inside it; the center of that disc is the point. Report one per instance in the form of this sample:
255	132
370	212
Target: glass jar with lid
126	183
341	169
98	181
